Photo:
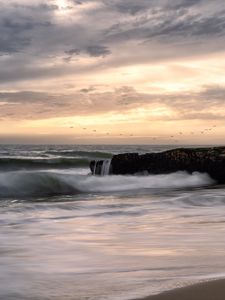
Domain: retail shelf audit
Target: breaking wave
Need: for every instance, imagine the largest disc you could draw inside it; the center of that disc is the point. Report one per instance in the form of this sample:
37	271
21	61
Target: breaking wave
52	159
39	184
42	163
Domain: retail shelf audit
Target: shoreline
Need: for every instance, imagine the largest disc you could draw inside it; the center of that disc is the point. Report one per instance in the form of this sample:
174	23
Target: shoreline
208	290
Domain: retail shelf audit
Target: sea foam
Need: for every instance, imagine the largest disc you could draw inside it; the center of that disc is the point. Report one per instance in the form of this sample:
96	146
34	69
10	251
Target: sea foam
47	183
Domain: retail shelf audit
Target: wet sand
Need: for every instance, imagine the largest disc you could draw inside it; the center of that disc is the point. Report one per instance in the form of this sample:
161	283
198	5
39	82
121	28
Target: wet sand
211	290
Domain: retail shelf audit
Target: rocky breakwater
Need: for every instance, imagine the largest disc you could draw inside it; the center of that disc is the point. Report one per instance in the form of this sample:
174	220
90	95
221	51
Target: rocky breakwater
204	160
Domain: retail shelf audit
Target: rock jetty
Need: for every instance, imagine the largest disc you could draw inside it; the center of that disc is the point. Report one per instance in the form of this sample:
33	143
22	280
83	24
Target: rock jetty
204	160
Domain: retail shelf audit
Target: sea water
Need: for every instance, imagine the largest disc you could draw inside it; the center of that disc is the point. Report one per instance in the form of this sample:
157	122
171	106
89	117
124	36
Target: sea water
65	234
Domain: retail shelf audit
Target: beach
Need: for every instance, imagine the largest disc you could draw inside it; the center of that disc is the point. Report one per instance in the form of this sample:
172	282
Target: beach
210	290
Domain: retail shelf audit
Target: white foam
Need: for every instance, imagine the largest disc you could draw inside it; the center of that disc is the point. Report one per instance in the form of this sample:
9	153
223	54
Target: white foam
123	183
24	183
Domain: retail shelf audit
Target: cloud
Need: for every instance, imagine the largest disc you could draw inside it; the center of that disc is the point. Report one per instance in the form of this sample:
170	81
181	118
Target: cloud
92	50
87	90
40	39
128	7
207	104
43	7
18	27
169	26
97	50
178	4
24	97
134	7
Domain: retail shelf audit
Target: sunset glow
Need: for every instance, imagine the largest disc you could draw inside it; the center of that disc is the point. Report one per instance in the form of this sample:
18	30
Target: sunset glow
115	66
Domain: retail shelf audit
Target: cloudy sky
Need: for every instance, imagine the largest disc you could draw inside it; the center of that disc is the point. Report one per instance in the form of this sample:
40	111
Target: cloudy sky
112	71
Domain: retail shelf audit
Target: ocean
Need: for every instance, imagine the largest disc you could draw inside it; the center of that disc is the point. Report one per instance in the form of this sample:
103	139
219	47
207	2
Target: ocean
68	235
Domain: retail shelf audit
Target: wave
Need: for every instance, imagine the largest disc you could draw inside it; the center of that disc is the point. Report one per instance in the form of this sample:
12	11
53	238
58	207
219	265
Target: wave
52	159
42	163
39	184
88	154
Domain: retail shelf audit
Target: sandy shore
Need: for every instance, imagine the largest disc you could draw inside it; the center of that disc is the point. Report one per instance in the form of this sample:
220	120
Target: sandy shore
212	290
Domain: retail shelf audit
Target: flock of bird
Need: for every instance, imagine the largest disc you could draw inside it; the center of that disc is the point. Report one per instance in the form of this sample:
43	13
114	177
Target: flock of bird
173	138
206	130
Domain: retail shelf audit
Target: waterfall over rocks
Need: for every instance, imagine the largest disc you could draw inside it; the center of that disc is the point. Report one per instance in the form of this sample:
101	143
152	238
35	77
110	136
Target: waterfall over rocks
101	167
95	164
106	167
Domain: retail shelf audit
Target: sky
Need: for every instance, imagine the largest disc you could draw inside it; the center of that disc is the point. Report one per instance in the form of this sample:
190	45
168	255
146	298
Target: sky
112	71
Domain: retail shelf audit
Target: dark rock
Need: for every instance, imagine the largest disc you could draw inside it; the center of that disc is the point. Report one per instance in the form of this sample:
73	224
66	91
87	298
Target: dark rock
206	160
127	163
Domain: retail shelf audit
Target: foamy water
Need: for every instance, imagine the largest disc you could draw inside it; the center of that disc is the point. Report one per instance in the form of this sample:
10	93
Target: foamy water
48	183
68	235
